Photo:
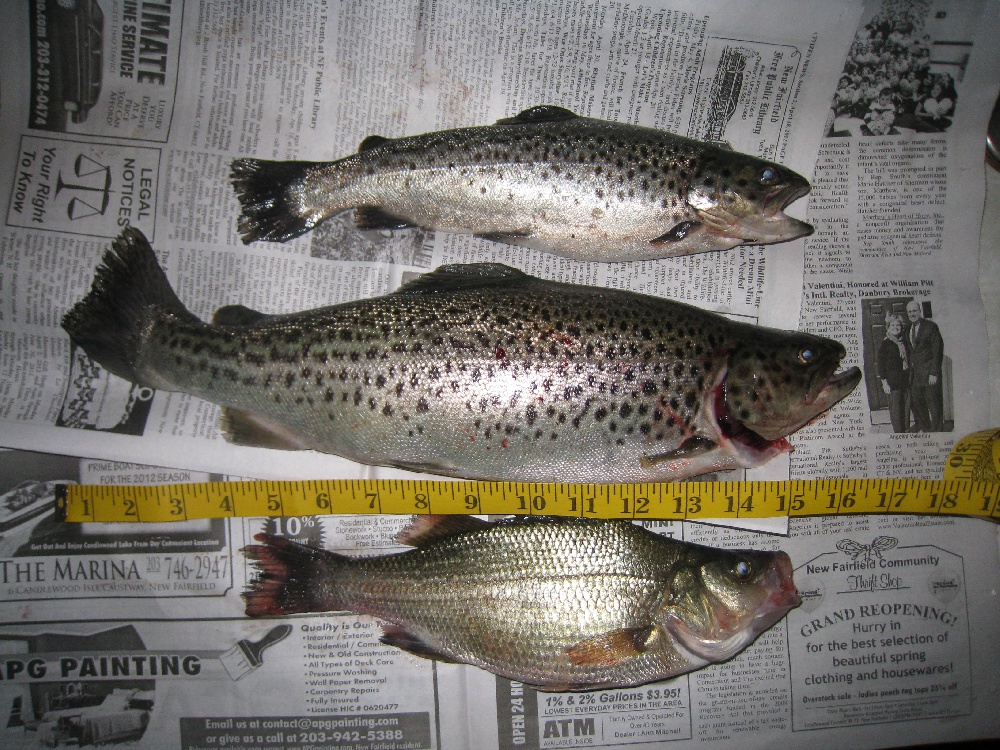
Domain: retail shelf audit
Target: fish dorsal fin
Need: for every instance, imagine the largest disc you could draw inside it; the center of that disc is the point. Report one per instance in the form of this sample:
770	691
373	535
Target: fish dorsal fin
237	315
455	277
541	113
608	649
372	141
243	428
425	529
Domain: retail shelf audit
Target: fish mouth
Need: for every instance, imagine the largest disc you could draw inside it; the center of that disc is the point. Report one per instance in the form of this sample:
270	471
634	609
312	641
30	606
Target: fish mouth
826	391
823	393
786	195
783	597
787	595
773	224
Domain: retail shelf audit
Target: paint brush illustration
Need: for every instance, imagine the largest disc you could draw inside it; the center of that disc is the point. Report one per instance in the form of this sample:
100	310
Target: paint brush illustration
246	655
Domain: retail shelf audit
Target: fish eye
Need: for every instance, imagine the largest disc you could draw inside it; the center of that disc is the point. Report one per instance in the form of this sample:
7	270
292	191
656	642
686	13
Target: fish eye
806	356
767	176
743	570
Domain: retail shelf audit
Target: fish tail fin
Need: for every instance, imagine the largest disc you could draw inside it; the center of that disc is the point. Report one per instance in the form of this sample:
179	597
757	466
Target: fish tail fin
110	323
291	578
271	199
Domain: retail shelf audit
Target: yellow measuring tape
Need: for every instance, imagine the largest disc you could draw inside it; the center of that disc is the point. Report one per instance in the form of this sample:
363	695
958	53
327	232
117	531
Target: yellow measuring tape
967	490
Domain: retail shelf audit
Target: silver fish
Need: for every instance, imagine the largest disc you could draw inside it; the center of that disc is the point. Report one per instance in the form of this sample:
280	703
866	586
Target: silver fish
560	604
477	371
547	179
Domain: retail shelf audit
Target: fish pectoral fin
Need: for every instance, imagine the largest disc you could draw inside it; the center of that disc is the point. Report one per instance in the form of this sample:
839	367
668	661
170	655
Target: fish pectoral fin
540	113
243	428
610	648
372	217
696	445
676	233
453	278
400	637
718	219
373	141
425	529
236	315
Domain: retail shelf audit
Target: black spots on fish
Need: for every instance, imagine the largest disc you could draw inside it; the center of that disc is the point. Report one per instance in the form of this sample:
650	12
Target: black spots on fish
600	413
422	406
530	415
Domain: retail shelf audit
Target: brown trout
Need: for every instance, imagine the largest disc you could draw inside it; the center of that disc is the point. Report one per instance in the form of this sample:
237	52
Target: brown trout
477	371
548	179
560	604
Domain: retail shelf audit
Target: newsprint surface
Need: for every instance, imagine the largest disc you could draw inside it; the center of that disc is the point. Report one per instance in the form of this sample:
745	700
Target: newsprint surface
120	112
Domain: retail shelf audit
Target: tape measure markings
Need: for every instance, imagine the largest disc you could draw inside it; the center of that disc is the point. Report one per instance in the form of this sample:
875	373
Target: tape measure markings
662	501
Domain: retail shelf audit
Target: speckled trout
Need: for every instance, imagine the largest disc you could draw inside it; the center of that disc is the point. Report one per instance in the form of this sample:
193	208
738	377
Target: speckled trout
476	371
561	604
548	179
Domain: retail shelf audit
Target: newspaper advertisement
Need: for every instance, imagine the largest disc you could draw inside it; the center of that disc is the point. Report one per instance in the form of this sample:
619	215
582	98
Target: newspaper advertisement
135	635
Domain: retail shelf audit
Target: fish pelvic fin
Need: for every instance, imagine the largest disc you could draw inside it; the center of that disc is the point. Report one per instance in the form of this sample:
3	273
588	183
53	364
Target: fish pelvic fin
109	324
608	649
266	191
290	578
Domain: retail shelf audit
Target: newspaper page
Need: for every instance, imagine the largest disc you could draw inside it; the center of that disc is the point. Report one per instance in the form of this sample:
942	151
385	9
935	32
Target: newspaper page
133	635
893	268
143	134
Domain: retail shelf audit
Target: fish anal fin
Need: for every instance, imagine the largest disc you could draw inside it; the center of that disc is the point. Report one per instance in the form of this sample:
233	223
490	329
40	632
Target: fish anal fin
373	217
452	278
676	233
540	113
696	445
400	637
508	238
373	141
236	315
424	529
243	428
611	648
